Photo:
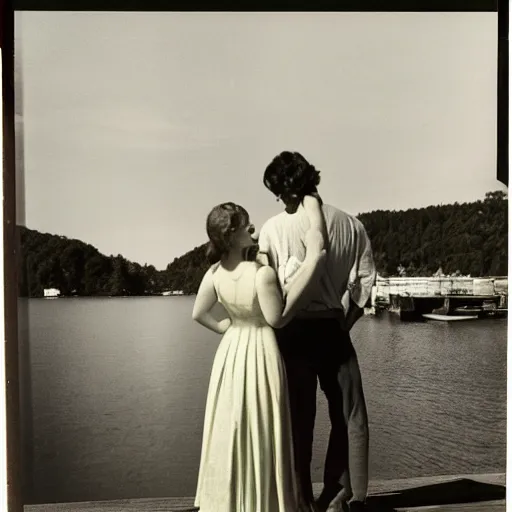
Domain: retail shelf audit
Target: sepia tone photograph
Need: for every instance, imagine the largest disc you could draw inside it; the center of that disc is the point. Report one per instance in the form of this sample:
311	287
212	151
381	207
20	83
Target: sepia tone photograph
263	261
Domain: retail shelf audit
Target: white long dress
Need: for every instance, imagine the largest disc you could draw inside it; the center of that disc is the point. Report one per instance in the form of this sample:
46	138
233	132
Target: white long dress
247	456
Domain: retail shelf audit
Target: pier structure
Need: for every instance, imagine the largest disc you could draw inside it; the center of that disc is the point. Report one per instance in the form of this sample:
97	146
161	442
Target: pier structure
411	297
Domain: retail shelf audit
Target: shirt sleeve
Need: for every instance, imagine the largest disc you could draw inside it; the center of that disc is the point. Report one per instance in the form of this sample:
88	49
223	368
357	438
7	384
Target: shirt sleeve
363	273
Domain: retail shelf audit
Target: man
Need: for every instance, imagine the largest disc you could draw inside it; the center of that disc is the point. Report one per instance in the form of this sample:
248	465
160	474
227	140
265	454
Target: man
317	344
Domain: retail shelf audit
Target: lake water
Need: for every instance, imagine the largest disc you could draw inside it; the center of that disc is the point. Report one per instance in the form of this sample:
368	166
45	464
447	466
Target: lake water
118	389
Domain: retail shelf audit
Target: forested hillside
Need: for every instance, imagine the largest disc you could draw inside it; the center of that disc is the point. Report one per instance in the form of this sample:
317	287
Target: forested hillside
77	268
470	238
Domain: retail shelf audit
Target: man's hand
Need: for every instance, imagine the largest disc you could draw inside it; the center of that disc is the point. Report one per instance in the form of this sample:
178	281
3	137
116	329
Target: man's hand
343	320
354	313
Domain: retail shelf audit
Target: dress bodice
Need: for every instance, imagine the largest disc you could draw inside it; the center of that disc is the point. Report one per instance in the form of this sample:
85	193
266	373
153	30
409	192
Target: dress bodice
236	291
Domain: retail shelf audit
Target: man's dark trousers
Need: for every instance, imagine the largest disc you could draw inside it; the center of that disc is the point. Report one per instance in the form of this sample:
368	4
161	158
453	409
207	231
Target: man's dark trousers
316	348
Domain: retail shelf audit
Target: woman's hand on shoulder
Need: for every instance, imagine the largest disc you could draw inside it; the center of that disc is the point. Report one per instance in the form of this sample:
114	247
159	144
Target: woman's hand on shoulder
311	203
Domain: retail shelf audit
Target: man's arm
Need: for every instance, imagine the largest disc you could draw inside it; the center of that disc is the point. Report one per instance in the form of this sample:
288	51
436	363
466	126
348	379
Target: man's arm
363	277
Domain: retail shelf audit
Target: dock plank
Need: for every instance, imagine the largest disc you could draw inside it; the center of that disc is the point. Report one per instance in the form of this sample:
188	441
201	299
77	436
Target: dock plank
382	486
377	488
142	505
484	506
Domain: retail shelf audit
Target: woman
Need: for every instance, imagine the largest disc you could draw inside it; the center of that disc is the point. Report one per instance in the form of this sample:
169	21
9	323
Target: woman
247	456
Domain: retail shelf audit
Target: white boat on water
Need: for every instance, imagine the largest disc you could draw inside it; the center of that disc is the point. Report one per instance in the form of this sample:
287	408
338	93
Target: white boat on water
448	318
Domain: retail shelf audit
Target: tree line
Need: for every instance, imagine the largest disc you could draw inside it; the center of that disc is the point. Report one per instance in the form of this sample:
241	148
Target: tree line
469	238
77	268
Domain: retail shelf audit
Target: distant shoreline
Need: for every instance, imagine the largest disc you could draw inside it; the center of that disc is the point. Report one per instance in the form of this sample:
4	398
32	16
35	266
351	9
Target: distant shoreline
461	239
108	296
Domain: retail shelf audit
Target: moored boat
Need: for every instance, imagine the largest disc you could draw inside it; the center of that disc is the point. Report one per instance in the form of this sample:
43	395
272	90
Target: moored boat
448	318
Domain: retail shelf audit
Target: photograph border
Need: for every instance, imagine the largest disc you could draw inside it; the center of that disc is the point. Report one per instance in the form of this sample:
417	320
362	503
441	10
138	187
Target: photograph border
10	237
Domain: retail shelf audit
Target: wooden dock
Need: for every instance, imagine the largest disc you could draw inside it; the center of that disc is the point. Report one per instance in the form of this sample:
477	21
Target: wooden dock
411	297
453	493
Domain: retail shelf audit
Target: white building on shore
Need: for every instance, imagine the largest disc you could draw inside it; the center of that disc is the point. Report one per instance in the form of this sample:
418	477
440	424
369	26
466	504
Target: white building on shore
51	293
438	286
173	292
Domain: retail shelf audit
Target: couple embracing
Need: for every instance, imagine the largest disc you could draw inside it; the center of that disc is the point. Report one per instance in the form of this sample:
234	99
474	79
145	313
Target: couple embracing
291	304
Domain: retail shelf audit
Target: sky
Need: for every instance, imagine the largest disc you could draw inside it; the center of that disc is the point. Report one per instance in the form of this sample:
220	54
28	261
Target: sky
136	124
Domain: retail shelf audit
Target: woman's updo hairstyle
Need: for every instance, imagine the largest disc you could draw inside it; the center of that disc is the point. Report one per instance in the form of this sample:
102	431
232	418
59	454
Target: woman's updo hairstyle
221	223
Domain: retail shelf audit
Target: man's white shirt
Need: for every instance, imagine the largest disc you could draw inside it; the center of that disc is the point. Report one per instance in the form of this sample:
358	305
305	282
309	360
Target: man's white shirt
350	270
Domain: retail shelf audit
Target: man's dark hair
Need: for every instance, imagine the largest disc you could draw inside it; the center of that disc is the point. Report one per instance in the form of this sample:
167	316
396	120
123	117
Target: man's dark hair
290	174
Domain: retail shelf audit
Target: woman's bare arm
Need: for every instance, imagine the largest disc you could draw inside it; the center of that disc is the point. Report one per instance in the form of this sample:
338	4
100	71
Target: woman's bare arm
205	300
316	243
298	289
276	311
313	207
269	295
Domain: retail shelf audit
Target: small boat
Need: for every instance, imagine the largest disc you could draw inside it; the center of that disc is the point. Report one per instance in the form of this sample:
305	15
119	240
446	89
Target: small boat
468	310
449	318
